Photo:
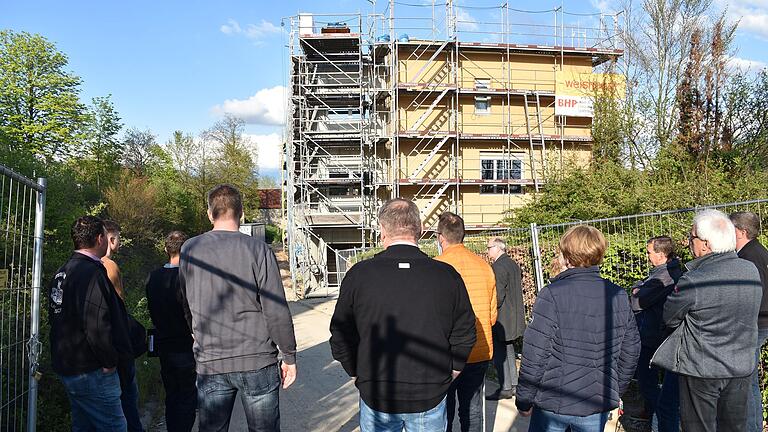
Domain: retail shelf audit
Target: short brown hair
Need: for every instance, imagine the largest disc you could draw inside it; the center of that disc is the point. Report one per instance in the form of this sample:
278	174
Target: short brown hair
173	242
400	217
224	199
663	244
748	222
451	226
112	227
85	232
583	246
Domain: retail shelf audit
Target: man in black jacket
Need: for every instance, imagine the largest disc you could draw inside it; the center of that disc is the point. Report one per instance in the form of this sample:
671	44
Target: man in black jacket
403	328
173	339
510	323
89	333
648	298
747	226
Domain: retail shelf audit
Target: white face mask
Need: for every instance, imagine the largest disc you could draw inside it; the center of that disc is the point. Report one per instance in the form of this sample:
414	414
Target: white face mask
439	247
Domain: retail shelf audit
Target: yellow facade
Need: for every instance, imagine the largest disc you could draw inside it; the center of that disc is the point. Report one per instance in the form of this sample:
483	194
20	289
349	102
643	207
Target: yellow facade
470	102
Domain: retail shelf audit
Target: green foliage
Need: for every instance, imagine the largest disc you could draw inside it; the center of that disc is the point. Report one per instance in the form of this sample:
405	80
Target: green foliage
273	234
40	113
46	131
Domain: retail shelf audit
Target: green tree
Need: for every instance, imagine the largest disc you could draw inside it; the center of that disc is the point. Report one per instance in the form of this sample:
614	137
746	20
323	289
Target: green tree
139	150
40	113
234	160
104	148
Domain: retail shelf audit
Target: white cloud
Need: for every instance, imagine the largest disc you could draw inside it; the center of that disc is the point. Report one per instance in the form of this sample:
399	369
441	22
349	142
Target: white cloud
251	31
232	27
465	22
266	107
745	65
268	148
751	14
601	5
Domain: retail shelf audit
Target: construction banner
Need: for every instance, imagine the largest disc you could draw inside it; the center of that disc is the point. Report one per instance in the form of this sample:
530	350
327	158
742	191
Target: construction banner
575	92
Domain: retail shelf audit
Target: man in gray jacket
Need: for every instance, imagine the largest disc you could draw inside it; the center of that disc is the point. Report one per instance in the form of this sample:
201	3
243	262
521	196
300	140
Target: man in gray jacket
714	312
510	323
239	319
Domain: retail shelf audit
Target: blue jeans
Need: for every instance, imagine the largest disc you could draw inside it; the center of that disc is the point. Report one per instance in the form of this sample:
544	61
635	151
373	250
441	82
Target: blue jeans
178	373
433	420
662	403
546	421
95	400
259	393
129	398
468	388
755	402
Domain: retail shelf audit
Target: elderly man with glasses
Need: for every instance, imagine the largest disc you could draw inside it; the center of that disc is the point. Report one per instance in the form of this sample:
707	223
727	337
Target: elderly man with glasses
510	323
713	310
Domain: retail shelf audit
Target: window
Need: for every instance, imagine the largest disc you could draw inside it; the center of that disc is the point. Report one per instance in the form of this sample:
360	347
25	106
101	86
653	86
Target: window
482	105
500	168
482	83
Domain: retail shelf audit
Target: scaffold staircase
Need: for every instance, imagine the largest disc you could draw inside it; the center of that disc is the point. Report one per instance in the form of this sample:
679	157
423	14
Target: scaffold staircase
415	79
431	203
429	157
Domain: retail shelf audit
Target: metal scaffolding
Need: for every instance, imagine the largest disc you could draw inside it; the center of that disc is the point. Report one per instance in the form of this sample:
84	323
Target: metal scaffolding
381	106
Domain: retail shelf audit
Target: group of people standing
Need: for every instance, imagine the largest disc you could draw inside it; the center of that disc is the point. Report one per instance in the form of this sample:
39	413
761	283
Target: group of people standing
417	334
221	327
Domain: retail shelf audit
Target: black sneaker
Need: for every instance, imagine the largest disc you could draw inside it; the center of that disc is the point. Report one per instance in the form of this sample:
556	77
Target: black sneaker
501	394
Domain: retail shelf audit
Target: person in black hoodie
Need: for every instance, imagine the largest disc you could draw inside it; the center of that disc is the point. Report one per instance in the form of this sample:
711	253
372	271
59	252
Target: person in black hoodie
747	226
403	328
173	339
89	334
648	298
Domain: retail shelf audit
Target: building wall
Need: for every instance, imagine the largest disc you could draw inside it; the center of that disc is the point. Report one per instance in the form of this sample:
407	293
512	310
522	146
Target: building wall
470	153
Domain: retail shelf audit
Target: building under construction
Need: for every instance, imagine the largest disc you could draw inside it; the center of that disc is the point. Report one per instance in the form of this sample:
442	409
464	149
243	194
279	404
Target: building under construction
454	113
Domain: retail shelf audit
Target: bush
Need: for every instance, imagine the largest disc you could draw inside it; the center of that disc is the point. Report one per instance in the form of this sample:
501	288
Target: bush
273	234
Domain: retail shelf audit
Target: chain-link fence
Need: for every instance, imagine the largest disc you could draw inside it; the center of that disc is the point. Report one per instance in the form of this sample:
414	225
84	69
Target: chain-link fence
22	204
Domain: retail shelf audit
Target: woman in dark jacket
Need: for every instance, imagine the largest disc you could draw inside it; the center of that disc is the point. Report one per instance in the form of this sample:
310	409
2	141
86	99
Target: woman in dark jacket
581	348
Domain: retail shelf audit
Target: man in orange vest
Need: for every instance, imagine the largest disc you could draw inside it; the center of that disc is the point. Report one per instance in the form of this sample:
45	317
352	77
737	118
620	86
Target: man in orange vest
480	281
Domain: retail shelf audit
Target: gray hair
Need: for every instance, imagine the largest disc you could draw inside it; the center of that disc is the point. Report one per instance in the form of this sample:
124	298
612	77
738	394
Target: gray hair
748	222
499	243
715	227
400	217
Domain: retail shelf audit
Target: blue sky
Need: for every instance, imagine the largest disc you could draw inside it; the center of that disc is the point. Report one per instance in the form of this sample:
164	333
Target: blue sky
181	64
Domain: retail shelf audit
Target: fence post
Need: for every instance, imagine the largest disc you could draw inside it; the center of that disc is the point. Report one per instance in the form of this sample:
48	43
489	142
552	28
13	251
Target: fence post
37	277
537	268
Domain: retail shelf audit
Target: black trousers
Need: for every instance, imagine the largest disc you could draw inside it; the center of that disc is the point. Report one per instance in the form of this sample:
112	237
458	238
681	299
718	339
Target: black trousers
179	379
714	405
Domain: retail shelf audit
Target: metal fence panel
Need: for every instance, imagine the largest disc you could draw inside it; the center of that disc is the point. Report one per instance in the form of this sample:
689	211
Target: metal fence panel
21	207
535	248
625	261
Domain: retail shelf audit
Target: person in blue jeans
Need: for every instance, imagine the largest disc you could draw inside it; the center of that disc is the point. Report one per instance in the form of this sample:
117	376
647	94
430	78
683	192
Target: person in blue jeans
648	298
403	328
234	303
89	333
748	247
581	348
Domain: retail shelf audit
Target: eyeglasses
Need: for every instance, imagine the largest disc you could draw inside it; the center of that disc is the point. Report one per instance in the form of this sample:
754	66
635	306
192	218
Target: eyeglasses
489	247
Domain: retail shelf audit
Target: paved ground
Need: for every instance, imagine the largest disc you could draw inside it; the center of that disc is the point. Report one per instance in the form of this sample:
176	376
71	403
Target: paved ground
324	398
